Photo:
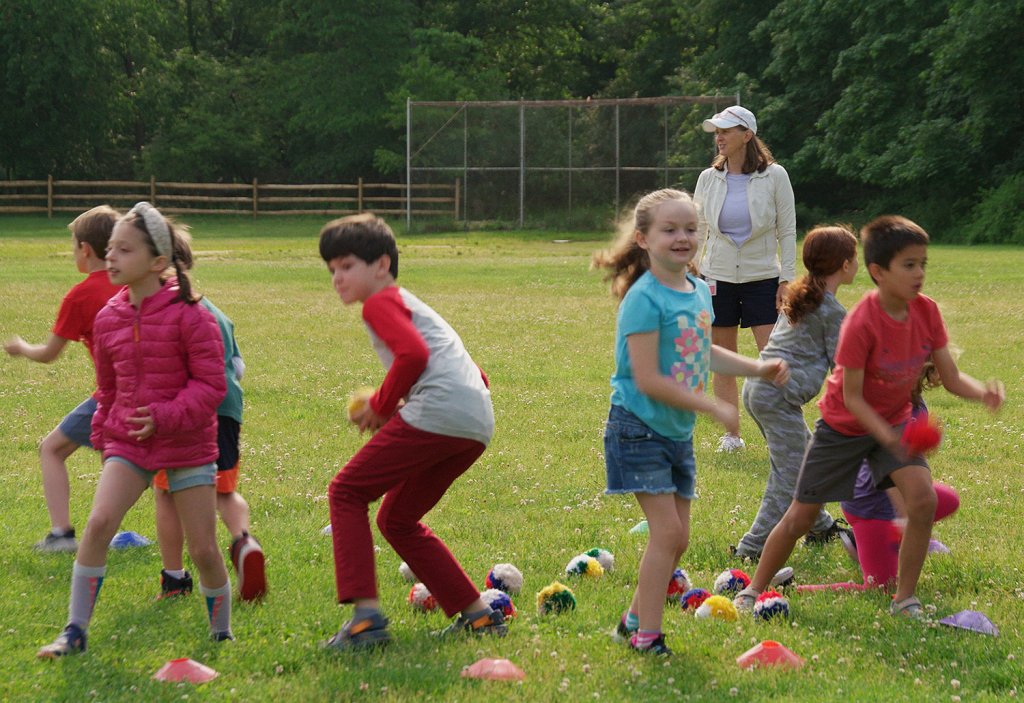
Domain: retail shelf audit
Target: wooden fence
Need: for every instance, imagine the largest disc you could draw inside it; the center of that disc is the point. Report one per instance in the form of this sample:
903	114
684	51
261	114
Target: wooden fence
50	196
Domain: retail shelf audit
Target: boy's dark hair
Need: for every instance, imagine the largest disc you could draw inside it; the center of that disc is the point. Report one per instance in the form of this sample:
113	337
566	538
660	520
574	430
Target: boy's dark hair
886	236
93	227
365	236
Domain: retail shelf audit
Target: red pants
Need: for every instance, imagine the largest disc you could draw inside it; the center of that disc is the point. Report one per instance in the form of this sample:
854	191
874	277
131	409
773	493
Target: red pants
412	469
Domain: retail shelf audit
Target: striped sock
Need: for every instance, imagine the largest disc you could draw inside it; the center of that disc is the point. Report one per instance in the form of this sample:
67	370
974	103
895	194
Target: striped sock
85	589
643	639
631	620
218	607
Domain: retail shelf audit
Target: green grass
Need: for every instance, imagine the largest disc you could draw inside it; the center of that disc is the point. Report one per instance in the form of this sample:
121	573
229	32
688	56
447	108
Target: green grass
542	326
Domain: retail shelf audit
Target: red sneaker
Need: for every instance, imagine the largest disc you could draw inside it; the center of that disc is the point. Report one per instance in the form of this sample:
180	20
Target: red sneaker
247	558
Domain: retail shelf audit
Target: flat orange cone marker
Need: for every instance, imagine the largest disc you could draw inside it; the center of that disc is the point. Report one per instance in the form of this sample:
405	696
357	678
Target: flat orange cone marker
769	653
185	669
494	670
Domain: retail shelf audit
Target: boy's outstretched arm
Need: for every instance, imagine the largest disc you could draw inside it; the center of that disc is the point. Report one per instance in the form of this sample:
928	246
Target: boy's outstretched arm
43	353
991	393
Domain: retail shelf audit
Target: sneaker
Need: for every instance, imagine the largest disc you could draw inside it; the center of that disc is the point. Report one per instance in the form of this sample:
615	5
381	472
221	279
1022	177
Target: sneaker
247	557
623	633
745	599
57	543
729	443
171	586
70	641
908	608
367	633
783	577
838	527
744	556
657	647
849	544
226	636
492	623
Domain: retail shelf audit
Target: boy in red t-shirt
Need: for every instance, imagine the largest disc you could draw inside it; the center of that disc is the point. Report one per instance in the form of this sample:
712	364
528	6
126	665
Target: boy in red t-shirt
883	346
90	232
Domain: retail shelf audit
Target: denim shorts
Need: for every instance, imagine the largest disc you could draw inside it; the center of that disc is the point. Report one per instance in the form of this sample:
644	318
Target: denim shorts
77	425
745	304
177	479
639	460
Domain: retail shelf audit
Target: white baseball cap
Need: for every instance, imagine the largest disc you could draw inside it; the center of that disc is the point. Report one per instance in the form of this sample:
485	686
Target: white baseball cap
734	116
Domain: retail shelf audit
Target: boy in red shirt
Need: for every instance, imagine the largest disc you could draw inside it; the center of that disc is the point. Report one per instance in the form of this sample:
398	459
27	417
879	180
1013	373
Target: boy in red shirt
90	232
883	346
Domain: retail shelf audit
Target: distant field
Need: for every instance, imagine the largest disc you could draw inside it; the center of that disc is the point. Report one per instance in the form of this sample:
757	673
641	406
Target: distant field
542	326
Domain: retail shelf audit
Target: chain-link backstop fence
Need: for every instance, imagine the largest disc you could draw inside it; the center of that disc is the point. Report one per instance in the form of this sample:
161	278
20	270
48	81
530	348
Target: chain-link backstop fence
556	163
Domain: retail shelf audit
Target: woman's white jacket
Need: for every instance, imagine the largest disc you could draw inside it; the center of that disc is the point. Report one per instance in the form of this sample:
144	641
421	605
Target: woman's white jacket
771	249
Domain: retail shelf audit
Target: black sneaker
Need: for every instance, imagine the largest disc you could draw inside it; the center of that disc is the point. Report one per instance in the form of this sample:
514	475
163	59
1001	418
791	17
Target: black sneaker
492	623
70	641
57	543
623	633
838	526
749	558
171	586
657	647
222	636
365	634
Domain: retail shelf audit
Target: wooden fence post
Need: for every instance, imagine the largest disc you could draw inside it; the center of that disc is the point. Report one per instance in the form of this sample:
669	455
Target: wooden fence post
255	197
359	195
152	190
49	195
455	214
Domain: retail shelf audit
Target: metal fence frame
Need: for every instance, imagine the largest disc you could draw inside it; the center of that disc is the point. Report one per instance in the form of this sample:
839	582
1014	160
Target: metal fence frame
464	169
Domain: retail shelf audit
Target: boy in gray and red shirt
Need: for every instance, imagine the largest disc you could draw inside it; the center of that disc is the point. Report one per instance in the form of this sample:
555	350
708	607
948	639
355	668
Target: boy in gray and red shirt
431	418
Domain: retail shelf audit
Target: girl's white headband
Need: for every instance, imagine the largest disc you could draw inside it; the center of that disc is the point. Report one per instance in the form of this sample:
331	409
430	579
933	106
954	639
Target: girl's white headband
156	225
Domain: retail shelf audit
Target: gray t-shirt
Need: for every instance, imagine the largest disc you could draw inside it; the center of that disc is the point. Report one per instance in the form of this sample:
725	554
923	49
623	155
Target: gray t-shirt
809	347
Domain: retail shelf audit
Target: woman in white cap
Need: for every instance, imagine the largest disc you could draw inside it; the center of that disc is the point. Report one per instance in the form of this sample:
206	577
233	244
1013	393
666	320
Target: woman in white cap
748	239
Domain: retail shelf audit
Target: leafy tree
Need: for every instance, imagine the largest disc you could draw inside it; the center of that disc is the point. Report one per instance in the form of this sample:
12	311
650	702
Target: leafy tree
58	86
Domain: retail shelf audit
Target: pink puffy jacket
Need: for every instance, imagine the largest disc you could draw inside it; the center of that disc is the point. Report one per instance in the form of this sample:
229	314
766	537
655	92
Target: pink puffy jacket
167	356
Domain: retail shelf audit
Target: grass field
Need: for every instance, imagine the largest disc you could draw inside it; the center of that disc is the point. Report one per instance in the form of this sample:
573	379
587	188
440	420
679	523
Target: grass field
542	326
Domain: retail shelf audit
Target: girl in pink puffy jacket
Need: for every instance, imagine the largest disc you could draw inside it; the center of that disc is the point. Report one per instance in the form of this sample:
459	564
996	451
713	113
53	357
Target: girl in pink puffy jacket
160	377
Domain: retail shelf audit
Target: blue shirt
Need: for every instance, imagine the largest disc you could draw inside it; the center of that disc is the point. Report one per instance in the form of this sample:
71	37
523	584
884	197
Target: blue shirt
683	323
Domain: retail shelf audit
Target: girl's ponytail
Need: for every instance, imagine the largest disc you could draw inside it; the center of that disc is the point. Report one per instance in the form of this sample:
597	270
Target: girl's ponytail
826	249
626	260
182	262
803	296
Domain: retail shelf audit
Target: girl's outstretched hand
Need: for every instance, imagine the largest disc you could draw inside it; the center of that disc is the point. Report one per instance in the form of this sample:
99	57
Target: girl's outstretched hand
145	422
994	395
774	370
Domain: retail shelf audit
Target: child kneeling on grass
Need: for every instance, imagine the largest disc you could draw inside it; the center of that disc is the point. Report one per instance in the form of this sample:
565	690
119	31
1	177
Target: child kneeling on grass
883	346
663	355
431	419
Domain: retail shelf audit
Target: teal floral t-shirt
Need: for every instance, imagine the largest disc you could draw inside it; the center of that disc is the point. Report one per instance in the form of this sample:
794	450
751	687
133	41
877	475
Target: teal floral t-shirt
683	322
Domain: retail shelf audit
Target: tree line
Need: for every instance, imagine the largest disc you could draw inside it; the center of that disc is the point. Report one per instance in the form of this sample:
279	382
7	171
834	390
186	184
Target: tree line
908	105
